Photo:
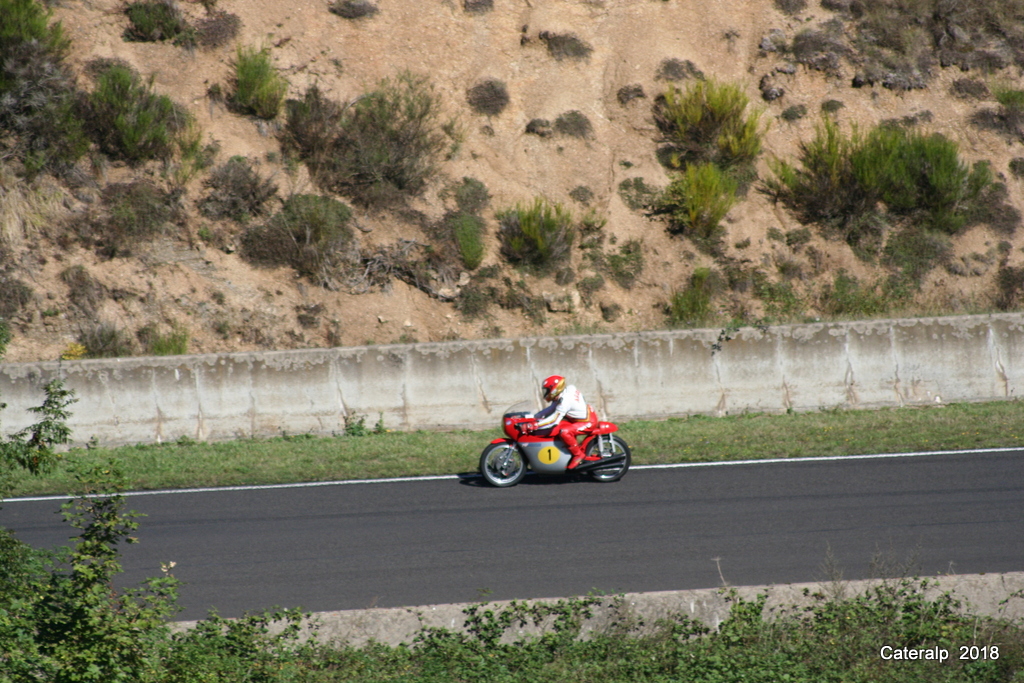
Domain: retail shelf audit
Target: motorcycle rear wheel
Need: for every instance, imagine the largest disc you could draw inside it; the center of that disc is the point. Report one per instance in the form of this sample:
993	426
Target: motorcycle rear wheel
609	447
501	464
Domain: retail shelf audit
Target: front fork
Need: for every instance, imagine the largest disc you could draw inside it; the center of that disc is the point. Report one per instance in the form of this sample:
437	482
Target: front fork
604	444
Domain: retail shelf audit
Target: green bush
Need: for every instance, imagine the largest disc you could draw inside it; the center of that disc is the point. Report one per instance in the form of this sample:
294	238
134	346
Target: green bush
381	146
155	20
538	234
691	307
14	295
708	122
104	340
236	191
39	122
467	231
847	297
129	121
696	201
259	88
308	233
156	343
915	179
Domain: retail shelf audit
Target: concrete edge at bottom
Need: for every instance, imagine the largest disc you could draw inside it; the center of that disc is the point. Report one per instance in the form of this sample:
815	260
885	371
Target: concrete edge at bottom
995	595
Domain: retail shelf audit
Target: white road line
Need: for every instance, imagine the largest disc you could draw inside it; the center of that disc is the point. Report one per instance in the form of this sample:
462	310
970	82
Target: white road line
444	477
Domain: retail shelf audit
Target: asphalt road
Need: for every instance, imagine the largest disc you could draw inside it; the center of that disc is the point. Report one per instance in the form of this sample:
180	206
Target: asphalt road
412	543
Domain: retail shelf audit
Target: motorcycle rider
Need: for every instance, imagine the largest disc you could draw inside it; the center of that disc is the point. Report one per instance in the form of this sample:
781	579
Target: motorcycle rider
567	416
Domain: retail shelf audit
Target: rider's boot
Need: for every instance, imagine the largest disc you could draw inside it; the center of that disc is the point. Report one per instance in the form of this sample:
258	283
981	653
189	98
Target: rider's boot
577	457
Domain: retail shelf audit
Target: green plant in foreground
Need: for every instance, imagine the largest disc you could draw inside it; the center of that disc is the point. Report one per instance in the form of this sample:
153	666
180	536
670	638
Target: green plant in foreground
259	88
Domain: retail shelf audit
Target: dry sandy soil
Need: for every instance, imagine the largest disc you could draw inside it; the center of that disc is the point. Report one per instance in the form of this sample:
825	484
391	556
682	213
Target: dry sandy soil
227	305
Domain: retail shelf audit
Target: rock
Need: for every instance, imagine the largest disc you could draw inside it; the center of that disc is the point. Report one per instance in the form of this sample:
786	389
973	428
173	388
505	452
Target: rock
788	68
463	279
774	41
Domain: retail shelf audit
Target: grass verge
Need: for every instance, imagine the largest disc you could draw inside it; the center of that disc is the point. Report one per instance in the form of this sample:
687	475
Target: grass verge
302	458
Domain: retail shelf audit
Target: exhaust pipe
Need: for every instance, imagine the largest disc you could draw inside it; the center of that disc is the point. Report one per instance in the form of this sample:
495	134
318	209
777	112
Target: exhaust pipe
598	464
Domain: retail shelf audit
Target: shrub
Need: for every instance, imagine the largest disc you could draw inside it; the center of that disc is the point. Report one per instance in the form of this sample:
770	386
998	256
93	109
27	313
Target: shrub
155	20
477	6
628	93
38	116
258	87
912	252
831	106
129	121
582	194
917	178
691	307
236	191
636	194
488	97
793	113
134	212
83	290
466	231
1017	167
104	340
471	196
1010	286
565	46
625	267
308	233
847	297
14	295
218	29
353	9
538	234
708	123
696	201
384	144
155	343
574	124
791	7
677	70
969	89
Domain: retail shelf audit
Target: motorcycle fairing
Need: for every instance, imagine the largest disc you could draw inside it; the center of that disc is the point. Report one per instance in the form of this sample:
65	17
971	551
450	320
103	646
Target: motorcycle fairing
545	454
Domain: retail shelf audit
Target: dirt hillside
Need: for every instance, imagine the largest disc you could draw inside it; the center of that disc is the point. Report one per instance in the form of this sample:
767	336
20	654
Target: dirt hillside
194	278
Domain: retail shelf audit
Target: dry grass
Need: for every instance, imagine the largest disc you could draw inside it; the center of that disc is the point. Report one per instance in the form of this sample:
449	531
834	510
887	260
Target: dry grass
27	207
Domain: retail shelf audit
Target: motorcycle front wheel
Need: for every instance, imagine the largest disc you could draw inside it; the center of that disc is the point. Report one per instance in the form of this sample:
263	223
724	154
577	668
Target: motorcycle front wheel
609	446
501	464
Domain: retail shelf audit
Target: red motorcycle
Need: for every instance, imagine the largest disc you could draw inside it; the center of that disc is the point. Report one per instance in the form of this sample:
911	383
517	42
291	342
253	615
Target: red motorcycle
505	461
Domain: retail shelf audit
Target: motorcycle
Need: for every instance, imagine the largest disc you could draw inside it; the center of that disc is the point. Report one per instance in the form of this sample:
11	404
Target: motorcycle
506	461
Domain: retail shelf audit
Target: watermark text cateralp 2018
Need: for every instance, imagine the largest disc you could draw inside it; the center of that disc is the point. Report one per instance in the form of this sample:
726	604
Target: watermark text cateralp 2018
966	652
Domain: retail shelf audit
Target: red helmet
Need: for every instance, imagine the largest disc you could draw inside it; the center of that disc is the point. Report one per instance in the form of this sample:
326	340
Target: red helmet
553	387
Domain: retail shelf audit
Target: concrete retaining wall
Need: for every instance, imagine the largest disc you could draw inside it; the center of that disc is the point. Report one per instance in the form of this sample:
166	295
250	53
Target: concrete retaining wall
468	384
979	594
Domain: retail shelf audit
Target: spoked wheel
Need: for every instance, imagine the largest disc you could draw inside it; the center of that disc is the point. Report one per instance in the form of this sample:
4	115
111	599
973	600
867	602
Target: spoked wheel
611	447
501	464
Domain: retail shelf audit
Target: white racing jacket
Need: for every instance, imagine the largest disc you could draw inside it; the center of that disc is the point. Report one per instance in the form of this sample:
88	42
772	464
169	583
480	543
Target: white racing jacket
569	405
